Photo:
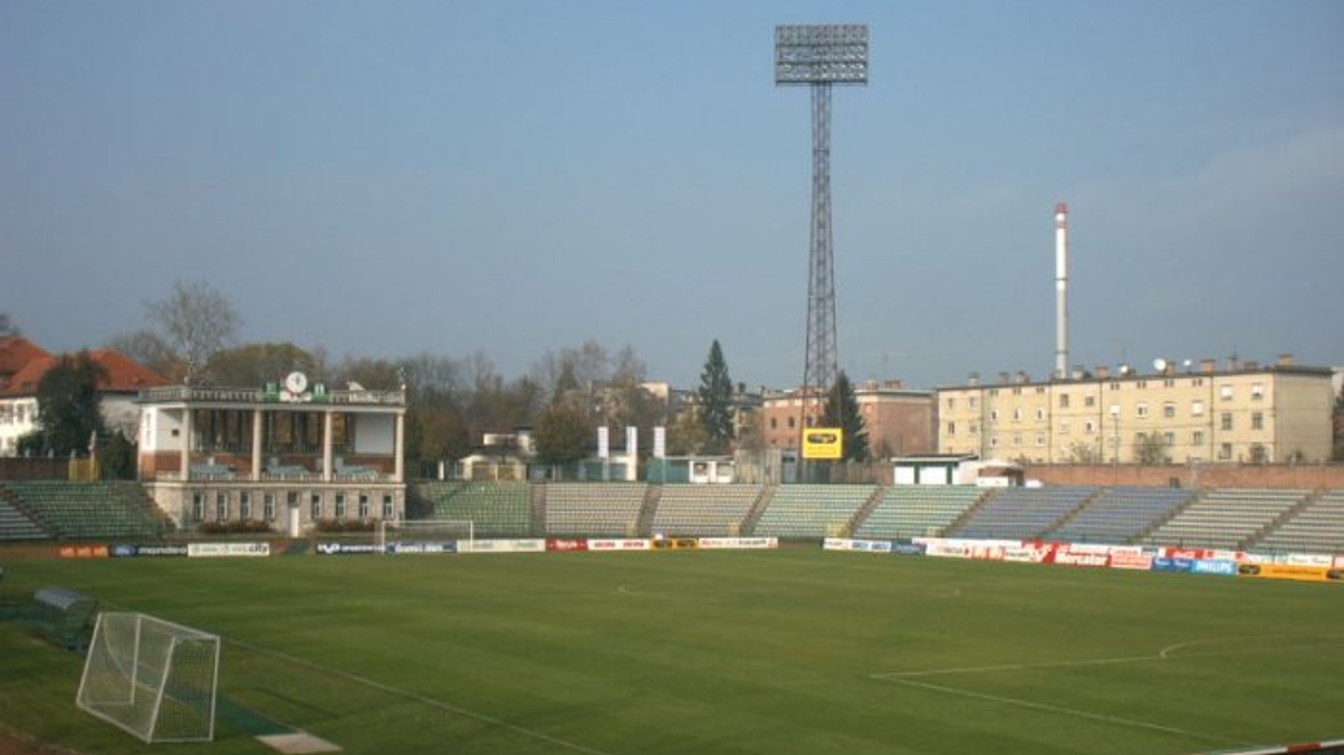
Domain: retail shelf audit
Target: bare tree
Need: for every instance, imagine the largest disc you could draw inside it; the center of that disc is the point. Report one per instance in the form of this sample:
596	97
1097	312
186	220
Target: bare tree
7	326
188	327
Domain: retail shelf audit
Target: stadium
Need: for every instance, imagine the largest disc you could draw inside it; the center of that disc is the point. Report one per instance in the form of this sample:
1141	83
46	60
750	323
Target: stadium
632	617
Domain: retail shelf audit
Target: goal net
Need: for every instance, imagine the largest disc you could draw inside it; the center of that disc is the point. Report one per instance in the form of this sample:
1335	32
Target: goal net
425	535
155	679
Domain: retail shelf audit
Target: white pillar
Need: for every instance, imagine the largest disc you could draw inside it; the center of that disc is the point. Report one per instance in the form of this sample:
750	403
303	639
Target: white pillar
399	450
326	445
256	445
185	451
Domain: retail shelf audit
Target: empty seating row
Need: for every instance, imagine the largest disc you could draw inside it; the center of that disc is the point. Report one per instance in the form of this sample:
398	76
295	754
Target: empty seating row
1317	528
609	508
15	525
1022	513
704	510
1225	518
917	511
1121	515
812	511
495	509
87	510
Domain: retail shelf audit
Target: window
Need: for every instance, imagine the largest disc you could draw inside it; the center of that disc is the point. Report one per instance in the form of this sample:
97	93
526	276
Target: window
951	402
1225	392
1225	421
1197	409
244	506
993	441
993	415
1257	420
340	505
1169	410
1017	441
1197	383
1169	438
363	505
221	507
792	424
974	402
1197	438
1040	441
975	428
1040	414
1064	428
1063	401
389	511
268	507
198	506
1017	414
315	503
1225	451
1089	427
292	498
1142	384
1257	391
773	423
951	428
1089	400
1141	411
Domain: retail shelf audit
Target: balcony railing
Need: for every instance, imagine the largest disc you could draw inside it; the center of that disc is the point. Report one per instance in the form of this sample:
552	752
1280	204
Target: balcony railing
186	393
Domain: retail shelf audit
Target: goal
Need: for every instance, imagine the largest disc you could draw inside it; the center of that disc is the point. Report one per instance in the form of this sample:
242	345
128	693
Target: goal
155	679
425	535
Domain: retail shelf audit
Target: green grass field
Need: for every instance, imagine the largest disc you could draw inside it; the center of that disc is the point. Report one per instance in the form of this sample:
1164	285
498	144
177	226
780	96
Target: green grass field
790	651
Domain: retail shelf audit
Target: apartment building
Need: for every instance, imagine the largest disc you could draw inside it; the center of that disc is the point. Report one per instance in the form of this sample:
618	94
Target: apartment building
899	421
1244	412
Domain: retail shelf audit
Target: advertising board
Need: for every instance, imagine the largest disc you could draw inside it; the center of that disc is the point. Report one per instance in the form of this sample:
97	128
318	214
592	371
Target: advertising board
228	550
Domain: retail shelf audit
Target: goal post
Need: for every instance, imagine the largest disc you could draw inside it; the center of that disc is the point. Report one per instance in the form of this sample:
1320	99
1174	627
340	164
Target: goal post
153	678
425	535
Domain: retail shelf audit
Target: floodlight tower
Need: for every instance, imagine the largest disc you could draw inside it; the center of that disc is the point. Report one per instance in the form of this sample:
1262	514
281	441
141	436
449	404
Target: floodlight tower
819	56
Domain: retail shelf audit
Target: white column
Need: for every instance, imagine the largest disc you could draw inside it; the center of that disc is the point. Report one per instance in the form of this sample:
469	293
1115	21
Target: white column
256	445
326	445
399	450
185	451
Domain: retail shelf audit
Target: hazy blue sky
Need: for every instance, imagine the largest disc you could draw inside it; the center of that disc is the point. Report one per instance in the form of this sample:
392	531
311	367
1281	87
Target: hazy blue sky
387	178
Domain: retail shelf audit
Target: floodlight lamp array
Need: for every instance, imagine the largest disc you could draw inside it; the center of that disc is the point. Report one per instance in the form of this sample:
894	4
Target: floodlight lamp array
821	54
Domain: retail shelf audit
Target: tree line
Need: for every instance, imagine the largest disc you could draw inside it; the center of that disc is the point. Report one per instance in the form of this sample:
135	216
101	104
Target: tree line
190	337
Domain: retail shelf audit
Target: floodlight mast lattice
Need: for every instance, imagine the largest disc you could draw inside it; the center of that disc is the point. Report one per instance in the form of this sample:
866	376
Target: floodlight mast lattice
819	56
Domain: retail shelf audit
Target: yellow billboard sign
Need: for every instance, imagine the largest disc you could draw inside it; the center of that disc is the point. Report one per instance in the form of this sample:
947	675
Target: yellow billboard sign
823	443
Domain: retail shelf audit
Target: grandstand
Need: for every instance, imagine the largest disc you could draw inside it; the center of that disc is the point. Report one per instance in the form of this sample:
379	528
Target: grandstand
75	510
1022	513
1121	515
910	511
1226	518
1318	527
812	511
502	509
704	510
603	509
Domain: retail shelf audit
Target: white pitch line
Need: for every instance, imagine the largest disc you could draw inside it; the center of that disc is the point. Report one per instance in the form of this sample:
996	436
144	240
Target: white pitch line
1071	712
441	705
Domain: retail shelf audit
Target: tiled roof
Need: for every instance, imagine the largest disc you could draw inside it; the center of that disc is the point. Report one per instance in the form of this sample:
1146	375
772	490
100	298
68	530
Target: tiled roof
123	374
15	352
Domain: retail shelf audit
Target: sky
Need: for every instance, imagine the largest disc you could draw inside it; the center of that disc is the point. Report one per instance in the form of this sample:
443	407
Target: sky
516	177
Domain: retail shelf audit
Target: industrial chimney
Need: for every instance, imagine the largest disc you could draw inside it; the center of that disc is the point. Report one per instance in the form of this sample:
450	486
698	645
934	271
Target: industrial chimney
1061	291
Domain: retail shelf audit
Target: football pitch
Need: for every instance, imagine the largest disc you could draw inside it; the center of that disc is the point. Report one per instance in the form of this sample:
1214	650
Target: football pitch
790	651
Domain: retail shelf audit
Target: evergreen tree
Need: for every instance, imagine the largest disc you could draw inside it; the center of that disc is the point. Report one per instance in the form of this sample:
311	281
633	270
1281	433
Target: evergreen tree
68	413
842	411
716	401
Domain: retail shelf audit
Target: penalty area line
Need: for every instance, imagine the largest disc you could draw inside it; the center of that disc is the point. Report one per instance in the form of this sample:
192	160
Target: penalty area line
422	699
